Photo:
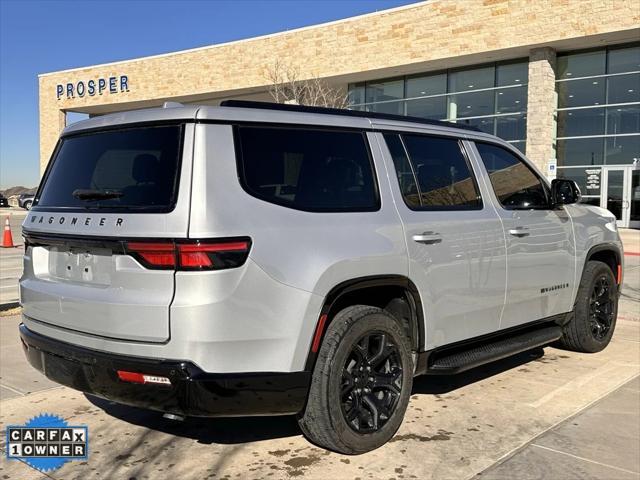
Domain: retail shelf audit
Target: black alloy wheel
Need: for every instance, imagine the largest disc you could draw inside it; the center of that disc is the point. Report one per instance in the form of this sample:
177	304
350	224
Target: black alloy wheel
601	308
371	382
593	319
361	381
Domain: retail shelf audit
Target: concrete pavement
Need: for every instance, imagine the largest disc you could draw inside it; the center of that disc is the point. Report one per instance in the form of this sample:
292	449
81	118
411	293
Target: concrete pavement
601	442
455	427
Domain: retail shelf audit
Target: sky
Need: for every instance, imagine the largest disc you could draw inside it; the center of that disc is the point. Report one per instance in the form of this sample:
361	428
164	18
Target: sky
48	35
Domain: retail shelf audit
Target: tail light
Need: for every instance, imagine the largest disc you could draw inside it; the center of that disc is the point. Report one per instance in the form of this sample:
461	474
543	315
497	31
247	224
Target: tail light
191	254
154	255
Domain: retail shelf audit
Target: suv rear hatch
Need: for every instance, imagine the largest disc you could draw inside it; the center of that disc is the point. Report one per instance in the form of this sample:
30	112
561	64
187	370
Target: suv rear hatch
104	191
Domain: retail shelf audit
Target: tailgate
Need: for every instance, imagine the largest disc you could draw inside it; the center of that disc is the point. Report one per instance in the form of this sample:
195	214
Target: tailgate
93	287
101	189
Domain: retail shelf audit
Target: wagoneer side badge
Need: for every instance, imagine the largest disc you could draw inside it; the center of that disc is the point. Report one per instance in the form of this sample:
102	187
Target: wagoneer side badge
85	221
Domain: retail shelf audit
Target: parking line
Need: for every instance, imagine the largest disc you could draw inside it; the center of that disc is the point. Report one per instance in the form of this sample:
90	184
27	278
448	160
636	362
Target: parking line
585	459
14	390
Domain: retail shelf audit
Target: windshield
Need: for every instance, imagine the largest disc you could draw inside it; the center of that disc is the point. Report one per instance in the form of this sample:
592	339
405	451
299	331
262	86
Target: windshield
135	169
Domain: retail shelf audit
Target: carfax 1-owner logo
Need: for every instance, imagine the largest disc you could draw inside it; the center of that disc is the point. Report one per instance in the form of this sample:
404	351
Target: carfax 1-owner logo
46	442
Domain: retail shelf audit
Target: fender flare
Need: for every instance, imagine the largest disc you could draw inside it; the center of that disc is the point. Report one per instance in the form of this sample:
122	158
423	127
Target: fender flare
362	283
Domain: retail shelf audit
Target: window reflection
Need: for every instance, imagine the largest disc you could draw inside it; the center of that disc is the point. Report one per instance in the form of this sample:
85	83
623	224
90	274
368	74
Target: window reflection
484	97
432	108
623	119
578	93
581	64
429	85
587	121
580	151
383	91
471	104
473	79
609	131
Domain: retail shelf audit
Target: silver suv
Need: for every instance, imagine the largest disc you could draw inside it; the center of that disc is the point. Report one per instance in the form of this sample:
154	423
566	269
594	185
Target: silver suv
265	259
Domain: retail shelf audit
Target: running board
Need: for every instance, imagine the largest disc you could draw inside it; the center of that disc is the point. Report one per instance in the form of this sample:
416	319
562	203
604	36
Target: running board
460	359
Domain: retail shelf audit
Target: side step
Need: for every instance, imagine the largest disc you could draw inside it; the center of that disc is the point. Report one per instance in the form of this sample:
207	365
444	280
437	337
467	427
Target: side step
467	357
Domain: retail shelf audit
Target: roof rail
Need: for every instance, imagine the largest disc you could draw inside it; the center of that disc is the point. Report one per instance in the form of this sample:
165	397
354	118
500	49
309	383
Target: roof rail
340	111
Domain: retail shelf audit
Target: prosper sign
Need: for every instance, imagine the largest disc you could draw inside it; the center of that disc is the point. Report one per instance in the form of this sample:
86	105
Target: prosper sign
112	85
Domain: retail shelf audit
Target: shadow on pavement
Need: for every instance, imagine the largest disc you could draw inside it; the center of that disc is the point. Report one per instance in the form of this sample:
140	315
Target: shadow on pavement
438	384
230	431
226	431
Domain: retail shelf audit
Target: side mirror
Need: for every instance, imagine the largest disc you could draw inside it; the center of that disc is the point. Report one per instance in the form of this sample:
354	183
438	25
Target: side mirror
564	192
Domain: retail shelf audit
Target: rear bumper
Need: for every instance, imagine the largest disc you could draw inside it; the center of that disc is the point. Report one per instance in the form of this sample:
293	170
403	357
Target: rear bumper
192	392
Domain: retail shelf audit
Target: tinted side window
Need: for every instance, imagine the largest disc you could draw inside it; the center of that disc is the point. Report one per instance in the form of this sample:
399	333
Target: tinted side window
313	170
404	172
444	177
515	184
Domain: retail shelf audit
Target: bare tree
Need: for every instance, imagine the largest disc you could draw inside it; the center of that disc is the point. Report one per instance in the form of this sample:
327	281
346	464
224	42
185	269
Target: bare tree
286	85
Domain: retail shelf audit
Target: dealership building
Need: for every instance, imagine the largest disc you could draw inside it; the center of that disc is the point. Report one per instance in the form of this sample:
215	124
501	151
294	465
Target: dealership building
559	79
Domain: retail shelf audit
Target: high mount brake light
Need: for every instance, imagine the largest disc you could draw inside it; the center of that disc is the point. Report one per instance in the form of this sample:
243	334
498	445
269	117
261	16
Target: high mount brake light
191	254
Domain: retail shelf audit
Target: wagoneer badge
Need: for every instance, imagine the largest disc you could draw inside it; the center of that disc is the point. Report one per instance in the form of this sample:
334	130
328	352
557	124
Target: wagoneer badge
84	221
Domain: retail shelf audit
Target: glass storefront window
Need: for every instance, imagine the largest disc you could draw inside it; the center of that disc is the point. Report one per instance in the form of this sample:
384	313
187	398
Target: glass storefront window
383	91
580	151
579	122
622	150
431	108
583	64
424	86
356	94
588	179
395	108
511	127
624	59
623	119
473	104
491	97
579	93
623	88
521	145
510	100
486	125
472	79
512	74
609	132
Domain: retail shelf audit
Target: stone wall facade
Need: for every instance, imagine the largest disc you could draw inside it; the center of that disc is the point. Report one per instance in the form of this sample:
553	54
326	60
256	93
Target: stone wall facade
542	100
425	36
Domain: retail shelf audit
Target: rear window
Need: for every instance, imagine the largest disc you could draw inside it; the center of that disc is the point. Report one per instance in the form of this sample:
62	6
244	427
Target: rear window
135	169
307	169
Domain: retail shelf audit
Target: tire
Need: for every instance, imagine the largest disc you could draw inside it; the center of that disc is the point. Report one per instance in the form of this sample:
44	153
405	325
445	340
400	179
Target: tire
336	390
27	205
586	331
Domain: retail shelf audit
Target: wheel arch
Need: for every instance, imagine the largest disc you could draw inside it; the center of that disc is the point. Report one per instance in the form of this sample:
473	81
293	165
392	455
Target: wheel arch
609	254
396	294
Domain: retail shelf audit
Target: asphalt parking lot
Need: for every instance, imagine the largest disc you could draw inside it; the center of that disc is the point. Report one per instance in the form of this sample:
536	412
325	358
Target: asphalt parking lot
546	414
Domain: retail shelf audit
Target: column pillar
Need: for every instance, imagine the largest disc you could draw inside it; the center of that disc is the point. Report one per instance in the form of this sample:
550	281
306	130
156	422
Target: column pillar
52	122
541	104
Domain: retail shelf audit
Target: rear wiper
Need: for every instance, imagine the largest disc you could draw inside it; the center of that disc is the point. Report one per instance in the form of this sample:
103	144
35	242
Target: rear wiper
82	194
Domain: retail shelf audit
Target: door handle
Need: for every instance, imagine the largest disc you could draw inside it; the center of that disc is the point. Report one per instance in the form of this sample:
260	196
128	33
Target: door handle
519	232
428	238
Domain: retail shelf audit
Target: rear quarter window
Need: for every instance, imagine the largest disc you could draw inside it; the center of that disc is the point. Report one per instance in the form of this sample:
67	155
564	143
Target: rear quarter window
137	167
307	169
